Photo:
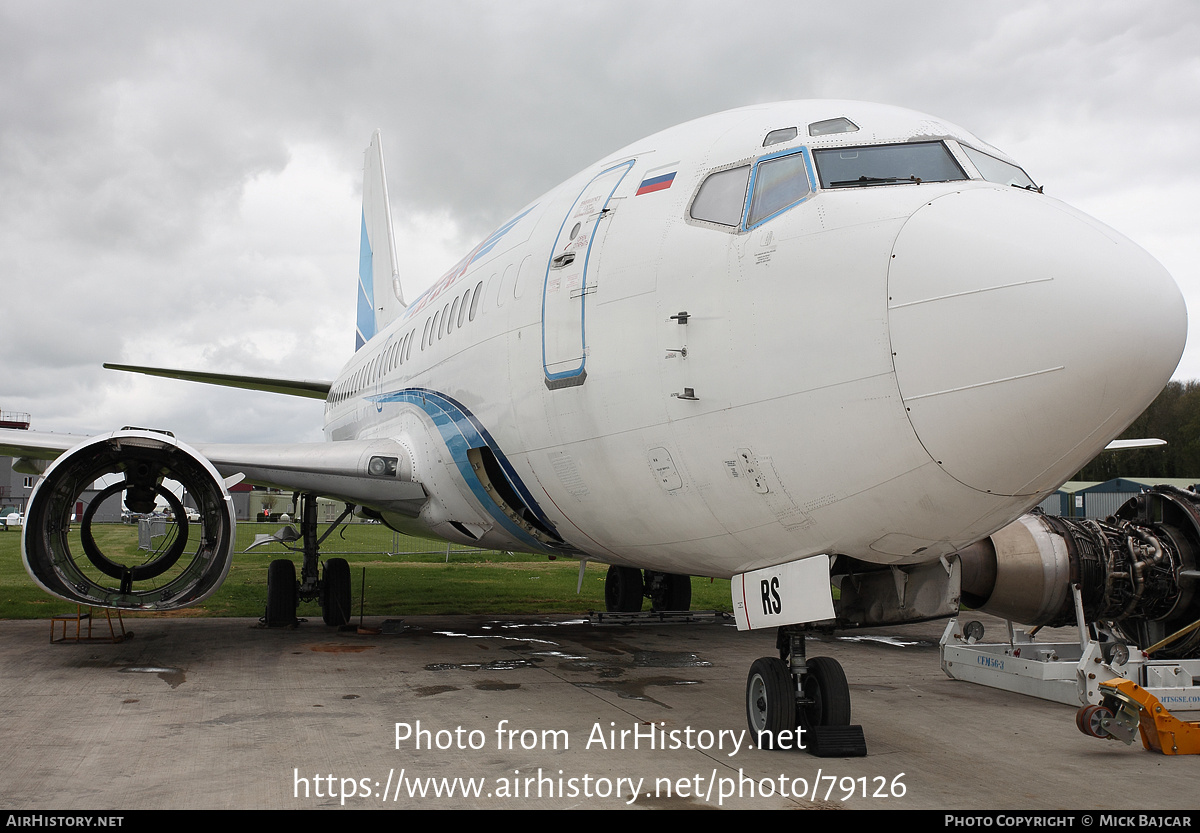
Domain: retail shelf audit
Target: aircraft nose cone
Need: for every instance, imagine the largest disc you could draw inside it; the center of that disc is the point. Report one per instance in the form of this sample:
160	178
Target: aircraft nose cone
1025	335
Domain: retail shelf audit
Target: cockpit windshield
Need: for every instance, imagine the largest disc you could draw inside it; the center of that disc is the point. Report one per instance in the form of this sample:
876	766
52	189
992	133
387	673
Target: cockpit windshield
912	162
997	170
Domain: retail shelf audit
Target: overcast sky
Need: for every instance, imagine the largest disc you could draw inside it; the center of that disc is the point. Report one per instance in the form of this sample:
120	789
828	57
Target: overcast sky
180	184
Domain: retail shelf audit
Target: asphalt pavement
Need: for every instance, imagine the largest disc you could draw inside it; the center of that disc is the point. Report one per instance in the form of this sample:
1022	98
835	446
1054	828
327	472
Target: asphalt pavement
453	712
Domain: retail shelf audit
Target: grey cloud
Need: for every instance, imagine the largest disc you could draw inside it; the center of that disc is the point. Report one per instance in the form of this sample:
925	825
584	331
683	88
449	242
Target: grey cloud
130	133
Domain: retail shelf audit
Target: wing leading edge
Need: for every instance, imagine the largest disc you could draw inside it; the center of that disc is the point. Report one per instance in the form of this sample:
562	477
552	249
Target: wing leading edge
309	388
373	473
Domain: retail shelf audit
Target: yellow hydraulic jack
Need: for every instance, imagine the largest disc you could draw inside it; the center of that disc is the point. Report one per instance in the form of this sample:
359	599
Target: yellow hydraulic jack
1124	706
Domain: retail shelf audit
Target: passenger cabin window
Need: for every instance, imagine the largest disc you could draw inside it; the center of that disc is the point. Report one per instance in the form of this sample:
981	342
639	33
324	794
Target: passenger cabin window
997	170
779	183
886	165
475	300
722	197
463	308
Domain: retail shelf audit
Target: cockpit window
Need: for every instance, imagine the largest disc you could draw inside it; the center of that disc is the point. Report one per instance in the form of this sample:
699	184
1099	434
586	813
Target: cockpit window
997	170
838	125
779	183
722	197
886	165
783	134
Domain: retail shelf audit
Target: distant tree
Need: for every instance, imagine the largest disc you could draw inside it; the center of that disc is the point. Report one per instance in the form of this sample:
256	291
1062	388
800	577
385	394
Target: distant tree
1174	416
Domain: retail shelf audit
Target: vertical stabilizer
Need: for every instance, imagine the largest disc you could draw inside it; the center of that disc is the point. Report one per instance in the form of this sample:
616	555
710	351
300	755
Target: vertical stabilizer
380	298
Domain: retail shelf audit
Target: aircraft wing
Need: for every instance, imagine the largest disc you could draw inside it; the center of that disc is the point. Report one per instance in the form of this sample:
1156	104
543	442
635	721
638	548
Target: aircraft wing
374	473
37	445
310	388
1123	445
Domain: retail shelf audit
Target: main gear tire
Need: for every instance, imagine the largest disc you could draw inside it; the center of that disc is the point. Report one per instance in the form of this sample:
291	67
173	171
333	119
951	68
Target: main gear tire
282	594
335	592
623	590
827	694
770	702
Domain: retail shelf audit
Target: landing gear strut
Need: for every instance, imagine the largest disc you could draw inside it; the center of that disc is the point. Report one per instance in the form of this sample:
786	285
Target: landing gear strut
794	702
625	587
284	593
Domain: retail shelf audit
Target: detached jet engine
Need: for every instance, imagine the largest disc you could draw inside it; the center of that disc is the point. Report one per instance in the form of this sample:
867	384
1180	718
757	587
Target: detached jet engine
1136	570
187	569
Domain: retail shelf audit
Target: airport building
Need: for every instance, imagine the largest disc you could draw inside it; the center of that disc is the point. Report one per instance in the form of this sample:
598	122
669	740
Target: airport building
15	487
1089	499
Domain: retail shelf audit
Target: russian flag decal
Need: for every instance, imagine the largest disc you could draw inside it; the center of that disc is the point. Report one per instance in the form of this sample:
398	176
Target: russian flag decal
656	182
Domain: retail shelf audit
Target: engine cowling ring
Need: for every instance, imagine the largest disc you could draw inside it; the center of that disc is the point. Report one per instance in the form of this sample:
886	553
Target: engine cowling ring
157	565
68	568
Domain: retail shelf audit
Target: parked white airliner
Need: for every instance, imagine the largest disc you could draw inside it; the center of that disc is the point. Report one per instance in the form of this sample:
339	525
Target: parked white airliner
777	343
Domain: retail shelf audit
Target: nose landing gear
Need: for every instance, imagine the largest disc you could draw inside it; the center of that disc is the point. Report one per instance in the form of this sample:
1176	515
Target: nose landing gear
793	702
771	704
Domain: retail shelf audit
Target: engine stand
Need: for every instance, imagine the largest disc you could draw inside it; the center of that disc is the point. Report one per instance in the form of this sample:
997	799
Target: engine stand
1064	672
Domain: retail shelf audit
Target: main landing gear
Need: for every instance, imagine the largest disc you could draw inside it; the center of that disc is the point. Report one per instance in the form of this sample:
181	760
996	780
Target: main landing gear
332	590
794	702
626	587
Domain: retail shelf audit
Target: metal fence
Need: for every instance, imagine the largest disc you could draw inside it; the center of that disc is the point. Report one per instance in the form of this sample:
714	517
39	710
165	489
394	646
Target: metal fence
148	530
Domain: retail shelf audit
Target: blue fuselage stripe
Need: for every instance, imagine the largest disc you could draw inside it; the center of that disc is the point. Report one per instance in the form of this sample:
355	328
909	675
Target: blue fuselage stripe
462	431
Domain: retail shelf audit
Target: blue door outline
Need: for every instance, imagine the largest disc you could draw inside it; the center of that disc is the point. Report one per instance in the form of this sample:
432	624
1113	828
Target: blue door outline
566	280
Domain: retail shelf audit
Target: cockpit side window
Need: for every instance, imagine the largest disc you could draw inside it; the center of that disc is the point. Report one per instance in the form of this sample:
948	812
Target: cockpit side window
779	183
783	134
722	197
997	170
856	167
839	125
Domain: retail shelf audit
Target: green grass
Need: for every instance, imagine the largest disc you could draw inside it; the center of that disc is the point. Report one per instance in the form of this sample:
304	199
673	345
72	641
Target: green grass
420	581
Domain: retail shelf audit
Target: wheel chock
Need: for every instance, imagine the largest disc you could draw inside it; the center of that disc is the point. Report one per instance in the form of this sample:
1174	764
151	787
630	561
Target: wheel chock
836	741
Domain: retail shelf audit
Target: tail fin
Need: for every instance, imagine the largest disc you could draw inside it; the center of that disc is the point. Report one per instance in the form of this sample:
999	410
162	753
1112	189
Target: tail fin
380	298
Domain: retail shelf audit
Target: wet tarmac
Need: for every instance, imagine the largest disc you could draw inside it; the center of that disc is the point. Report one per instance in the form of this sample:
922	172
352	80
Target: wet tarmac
532	712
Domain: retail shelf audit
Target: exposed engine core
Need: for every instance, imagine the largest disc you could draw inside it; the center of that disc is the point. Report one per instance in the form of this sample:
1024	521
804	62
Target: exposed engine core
1136	571
188	565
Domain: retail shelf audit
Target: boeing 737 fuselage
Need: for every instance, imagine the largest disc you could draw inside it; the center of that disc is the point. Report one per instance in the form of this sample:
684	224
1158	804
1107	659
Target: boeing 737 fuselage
781	343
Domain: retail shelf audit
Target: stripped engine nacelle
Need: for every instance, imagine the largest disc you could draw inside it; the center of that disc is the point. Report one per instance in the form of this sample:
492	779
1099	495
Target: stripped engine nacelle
1136	571
188	566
